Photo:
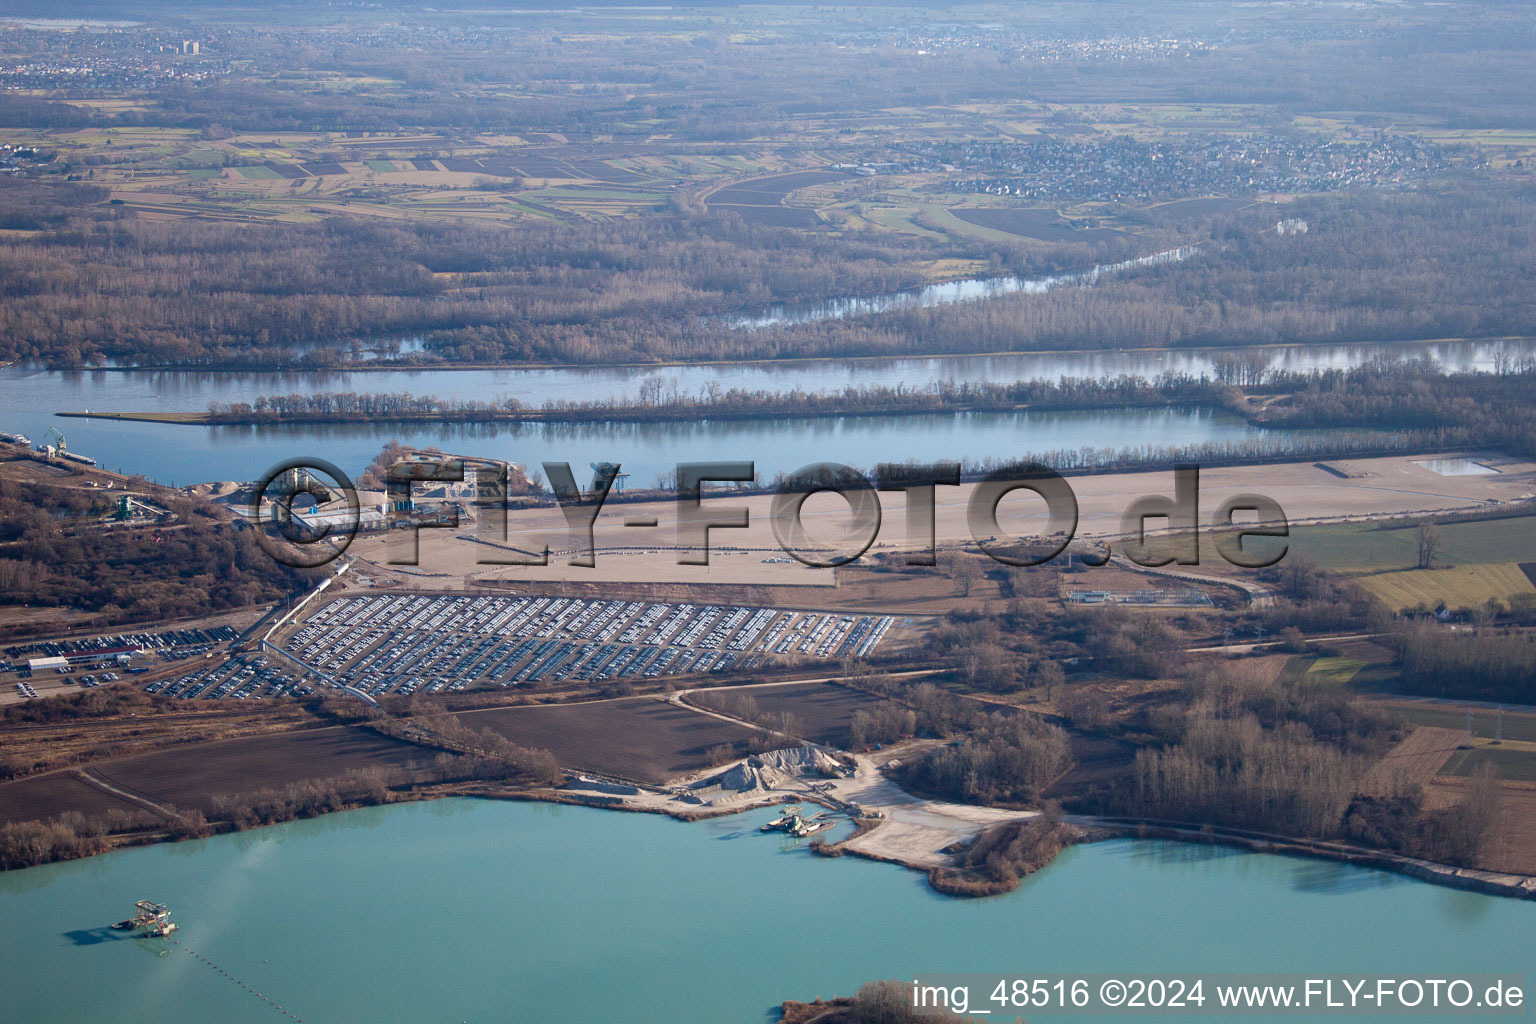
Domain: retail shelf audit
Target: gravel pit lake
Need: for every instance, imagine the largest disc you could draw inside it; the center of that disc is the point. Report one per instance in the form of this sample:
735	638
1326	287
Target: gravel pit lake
481	911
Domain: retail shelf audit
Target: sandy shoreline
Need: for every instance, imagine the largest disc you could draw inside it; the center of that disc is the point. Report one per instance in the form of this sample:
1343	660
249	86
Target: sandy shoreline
897	827
911	846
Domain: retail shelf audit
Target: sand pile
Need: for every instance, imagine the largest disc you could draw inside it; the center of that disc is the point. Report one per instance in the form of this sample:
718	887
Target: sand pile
797	761
759	775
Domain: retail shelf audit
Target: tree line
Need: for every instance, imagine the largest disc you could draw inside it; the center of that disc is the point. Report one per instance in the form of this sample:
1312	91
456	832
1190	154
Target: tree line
715	402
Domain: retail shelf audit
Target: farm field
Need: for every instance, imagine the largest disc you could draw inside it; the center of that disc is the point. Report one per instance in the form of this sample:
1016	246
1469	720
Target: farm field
1416	760
1461	587
306	176
1189	208
195	776
637	738
898	218
822	711
1044	225
48	796
407	174
1366	546
1510	760
141	726
772	190
1518	726
1513	757
1333	671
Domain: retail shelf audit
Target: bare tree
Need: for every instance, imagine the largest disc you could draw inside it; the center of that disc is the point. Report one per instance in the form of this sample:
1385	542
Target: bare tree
965	571
1050	675
1429	544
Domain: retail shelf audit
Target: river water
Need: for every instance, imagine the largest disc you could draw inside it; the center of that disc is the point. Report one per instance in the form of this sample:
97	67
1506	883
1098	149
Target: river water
117	390
182	454
478	911
948	293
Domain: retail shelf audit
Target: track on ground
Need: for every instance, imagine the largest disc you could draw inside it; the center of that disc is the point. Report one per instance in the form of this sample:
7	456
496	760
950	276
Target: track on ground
637	738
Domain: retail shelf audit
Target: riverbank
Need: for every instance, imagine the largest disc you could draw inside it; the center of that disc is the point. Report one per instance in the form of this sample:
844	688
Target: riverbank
405	366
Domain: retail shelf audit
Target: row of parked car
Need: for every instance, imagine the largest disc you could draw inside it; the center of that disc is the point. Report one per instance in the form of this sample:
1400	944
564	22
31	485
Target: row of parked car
392	643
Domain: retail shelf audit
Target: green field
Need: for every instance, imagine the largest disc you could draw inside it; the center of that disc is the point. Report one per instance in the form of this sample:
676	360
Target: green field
1465	586
258	173
897	218
383	166
1519	728
1365	546
1517	763
1332	671
209	157
1476	561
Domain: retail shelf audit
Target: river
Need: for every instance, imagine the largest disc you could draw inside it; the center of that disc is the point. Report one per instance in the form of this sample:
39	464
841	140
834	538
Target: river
948	293
480	911
182	454
120	390
178	454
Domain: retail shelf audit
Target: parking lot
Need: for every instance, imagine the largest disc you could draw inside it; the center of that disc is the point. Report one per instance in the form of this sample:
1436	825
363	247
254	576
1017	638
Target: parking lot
243	677
169	643
95	660
401	644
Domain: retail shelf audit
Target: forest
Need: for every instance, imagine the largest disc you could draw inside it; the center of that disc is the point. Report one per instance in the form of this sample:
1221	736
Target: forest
1244	751
1247	752
55	553
93	284
1491	667
1003	759
1492	409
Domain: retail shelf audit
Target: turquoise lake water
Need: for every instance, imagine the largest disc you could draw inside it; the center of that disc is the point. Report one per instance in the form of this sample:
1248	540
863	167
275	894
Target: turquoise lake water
481	911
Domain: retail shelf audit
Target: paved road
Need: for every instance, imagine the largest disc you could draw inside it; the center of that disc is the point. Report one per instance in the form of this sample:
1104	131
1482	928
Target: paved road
1259	596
